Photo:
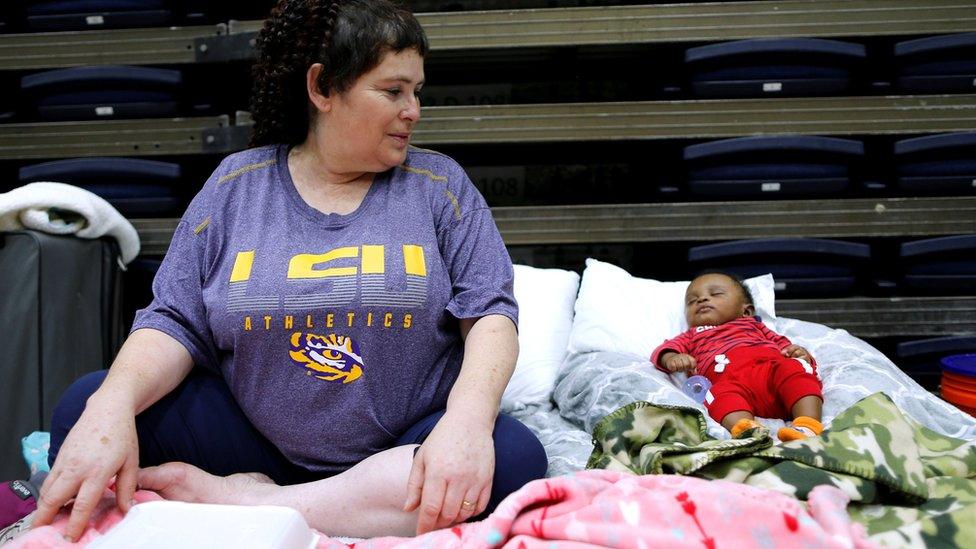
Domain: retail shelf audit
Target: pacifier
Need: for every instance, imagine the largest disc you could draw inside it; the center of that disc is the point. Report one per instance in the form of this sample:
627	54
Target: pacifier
696	387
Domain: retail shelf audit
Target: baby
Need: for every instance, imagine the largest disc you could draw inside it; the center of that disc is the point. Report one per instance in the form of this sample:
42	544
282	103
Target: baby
754	371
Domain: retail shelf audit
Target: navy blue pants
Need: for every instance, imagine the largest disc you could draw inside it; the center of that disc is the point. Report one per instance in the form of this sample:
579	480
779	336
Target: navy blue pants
200	423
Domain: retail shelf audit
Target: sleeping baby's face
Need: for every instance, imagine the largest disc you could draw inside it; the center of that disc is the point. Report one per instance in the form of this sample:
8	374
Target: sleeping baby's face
714	299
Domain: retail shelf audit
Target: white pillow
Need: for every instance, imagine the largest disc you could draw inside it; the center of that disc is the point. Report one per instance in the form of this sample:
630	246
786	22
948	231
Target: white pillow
545	298
618	312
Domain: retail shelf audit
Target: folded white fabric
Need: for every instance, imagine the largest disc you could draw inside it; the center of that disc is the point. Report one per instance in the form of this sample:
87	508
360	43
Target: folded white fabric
58	208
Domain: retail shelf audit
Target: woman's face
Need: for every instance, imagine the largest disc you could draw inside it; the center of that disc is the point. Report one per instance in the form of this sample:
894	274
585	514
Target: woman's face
371	122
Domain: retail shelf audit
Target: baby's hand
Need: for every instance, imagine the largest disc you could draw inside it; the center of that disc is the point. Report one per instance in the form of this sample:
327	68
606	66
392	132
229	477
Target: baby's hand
795	351
679	362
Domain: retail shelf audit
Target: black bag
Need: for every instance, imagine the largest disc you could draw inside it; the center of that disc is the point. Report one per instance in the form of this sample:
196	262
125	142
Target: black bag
60	317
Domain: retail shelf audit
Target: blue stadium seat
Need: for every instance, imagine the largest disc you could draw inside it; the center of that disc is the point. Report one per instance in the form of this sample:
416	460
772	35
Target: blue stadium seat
937	64
921	359
800	266
61	15
937	163
135	187
98	92
772	166
773	66
943	265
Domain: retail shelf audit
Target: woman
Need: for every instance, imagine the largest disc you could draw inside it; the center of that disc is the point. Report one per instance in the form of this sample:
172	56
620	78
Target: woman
353	295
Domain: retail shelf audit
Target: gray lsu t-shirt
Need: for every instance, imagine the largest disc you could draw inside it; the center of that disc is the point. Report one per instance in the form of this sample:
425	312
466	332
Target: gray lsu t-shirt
334	332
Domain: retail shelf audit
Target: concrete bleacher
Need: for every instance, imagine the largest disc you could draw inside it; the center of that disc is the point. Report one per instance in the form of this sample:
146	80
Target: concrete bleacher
473	49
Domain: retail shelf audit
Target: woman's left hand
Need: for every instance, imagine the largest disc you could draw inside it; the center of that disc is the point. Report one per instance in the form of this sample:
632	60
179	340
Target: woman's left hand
451	477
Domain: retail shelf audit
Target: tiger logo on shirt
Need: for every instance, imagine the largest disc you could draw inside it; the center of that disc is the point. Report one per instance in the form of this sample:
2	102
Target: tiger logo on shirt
330	358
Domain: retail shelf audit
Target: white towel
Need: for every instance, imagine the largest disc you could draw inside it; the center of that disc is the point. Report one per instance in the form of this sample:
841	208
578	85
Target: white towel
58	208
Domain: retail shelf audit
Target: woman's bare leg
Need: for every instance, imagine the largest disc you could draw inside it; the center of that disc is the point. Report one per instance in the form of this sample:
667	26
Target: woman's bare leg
364	501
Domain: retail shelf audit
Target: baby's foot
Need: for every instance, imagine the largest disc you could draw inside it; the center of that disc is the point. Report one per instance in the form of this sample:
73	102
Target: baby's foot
801	428
746	428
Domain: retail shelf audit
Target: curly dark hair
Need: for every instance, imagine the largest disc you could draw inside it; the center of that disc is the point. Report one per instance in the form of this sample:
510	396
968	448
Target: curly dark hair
349	38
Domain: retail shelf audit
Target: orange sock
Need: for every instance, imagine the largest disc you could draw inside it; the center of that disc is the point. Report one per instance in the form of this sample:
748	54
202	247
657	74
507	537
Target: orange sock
742	428
801	428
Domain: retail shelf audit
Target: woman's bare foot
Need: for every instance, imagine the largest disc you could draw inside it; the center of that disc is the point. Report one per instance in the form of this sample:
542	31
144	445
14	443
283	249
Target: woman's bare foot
260	477
184	482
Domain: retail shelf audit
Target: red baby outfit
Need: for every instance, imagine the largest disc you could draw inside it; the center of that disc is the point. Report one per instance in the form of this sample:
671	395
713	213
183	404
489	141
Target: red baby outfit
743	360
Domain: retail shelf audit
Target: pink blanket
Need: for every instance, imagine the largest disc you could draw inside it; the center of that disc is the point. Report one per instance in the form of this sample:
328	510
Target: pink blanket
603	509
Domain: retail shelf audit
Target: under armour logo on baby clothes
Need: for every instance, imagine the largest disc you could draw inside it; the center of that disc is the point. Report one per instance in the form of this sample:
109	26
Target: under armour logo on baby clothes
806	365
721	361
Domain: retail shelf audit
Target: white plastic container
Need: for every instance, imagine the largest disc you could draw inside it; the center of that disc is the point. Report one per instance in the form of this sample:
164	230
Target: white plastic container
169	524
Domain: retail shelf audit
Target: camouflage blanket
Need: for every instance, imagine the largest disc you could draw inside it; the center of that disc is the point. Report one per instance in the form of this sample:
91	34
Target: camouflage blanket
909	486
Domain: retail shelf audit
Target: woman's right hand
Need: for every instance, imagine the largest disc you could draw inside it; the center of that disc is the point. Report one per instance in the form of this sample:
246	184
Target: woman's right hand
101	445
